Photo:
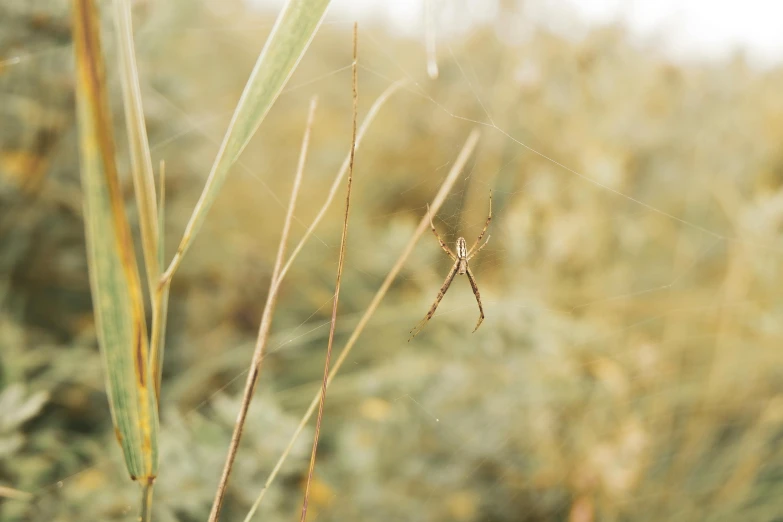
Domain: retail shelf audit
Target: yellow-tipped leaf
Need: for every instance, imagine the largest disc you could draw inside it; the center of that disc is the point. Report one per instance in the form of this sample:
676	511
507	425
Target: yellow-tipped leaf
114	275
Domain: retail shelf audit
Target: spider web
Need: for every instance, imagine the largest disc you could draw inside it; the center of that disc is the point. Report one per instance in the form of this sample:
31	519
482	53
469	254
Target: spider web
628	362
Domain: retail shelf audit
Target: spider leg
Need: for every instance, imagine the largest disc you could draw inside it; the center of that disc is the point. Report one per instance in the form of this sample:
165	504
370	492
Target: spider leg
441	293
471	254
442	244
474	286
486	225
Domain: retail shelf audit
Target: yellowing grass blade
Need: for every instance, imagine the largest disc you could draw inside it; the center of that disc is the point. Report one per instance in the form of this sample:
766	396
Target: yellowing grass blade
293	31
114	276
150	223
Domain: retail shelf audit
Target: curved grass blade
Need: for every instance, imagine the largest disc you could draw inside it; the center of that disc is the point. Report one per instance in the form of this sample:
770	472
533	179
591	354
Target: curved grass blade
114	276
291	35
138	144
150	211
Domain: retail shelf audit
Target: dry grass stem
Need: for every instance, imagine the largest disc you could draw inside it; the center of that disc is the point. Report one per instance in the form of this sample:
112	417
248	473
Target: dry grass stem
15	494
385	95
161	209
340	264
445	188
266	324
160	295
160	306
278	277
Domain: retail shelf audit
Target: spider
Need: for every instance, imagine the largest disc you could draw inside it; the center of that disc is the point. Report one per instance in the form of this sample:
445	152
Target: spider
461	259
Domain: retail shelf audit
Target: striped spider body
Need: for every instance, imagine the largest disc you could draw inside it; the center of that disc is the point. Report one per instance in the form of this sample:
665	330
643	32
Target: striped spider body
462	256
460	267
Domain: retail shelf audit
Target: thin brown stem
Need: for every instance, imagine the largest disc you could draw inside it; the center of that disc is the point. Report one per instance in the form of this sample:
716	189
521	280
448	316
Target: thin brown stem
264	328
161	209
340	263
335	185
445	188
385	95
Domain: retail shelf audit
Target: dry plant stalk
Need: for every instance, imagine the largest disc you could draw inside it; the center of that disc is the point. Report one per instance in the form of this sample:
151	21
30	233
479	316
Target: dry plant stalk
340	264
435	205
15	494
277	281
372	113
385	95
266	324
160	294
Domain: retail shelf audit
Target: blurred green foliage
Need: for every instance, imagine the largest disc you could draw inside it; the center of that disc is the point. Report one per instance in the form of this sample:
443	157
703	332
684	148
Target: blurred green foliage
629	367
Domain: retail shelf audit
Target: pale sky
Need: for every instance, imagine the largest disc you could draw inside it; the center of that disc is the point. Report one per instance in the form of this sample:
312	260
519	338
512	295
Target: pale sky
687	28
700	27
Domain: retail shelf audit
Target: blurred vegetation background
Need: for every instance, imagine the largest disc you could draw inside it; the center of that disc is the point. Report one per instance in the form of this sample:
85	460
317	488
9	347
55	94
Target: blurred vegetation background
629	367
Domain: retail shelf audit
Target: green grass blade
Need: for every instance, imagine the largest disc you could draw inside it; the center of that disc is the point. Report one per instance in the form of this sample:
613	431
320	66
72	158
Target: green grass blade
293	31
114	276
150	220
138	144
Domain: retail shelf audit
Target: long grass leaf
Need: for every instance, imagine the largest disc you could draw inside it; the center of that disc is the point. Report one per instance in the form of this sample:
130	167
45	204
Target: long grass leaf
114	277
150	211
291	35
141	161
445	188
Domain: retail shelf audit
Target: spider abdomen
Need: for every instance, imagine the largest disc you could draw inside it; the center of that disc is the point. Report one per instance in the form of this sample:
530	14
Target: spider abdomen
462	248
462	256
